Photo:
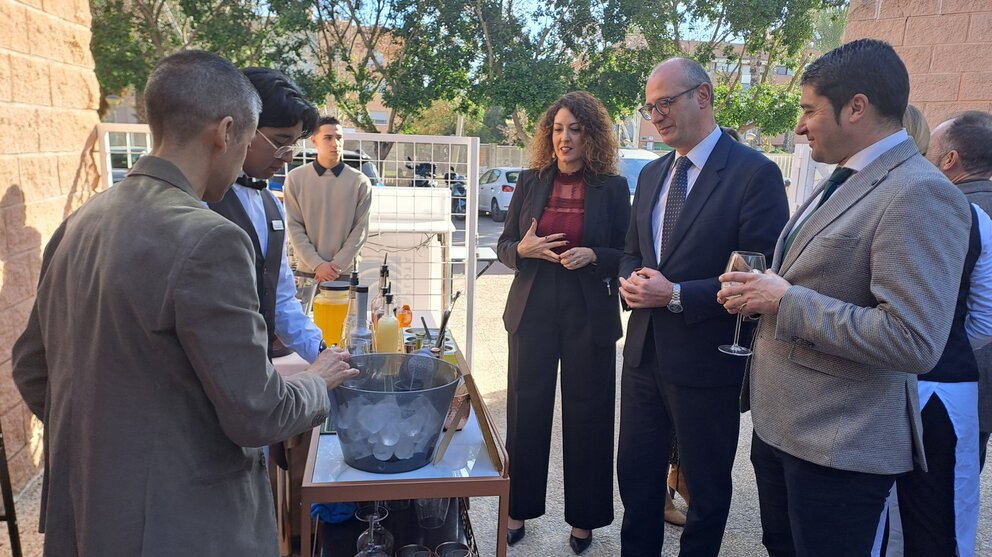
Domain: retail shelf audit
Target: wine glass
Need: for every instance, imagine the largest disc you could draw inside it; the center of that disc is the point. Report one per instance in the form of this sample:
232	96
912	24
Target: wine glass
375	539
745	261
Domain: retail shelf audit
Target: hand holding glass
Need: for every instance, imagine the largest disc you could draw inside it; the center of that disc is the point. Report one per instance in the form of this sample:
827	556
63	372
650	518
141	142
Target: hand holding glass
742	261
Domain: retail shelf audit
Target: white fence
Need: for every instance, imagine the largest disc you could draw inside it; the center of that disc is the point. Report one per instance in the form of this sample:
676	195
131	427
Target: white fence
415	220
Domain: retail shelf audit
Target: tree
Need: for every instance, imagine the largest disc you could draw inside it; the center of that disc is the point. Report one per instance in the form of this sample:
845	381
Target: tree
131	36
767	34
532	53
411	52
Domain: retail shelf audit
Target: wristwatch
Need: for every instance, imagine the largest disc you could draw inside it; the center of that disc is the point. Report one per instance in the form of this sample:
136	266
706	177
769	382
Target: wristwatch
675	306
321	347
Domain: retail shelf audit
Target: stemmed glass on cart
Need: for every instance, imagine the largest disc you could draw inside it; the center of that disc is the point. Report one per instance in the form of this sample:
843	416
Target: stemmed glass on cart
375	541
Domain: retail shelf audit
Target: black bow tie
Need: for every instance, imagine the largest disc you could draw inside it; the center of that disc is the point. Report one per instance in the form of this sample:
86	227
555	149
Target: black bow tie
250	182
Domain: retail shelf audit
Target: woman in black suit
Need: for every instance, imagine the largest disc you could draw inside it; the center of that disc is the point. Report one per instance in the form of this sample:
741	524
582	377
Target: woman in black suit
564	235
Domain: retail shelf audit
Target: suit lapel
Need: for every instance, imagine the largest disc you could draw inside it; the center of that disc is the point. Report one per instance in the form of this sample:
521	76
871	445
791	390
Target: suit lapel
645	211
859	185
704	186
541	193
593	209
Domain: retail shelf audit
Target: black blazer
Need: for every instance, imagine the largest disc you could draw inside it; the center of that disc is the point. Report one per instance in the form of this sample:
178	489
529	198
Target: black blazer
607	211
738	202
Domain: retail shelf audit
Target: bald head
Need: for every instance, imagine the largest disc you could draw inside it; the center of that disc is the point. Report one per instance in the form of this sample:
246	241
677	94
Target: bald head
962	146
679	96
686	71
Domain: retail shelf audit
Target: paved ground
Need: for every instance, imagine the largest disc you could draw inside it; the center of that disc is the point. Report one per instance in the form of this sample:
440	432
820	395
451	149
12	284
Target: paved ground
548	536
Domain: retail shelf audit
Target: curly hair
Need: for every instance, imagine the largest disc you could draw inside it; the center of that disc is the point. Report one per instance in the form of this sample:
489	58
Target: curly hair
600	149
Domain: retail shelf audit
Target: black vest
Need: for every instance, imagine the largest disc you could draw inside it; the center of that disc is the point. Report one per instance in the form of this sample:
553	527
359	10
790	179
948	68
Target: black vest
957	364
267	263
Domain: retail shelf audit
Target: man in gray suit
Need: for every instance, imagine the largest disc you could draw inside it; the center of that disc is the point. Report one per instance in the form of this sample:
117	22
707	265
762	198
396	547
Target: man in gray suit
145	352
859	299
962	149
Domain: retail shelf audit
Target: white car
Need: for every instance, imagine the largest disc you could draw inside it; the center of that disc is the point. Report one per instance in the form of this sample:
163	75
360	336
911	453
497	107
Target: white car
497	184
632	161
496	187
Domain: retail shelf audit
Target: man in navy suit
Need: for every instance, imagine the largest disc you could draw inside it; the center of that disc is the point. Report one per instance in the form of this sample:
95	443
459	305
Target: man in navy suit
692	208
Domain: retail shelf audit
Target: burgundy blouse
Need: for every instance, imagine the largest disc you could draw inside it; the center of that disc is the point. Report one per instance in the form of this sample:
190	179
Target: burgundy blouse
565	210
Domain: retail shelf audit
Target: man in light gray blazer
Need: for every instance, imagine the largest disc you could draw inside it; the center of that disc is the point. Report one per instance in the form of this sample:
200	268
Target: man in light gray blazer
145	352
859	299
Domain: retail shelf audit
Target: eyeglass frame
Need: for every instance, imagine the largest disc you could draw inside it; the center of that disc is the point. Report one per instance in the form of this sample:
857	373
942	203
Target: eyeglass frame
647	111
281	152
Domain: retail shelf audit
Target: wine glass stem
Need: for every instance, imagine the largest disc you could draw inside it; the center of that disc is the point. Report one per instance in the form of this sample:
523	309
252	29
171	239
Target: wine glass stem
737	331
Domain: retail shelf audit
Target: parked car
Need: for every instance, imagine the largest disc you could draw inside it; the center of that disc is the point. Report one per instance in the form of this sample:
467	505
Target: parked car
496	187
632	161
358	160
497	184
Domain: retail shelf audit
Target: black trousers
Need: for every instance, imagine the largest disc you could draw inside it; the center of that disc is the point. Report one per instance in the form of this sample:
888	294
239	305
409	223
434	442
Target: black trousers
812	510
557	329
706	421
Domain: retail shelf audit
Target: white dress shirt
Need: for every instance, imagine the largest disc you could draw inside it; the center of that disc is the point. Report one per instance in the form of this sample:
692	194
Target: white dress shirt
293	327
698	155
978	322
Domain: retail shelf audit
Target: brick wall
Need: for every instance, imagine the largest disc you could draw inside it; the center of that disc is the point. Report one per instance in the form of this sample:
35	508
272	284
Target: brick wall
48	100
946	45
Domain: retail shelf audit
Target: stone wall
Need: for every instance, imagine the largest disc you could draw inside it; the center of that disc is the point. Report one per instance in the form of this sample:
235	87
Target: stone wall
48	100
946	45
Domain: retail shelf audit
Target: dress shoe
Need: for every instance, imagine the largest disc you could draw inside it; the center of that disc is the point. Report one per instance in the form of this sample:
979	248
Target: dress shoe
673	515
514	535
579	545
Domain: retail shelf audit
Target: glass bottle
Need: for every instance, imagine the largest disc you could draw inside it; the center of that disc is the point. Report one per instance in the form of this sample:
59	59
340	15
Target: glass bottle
387	333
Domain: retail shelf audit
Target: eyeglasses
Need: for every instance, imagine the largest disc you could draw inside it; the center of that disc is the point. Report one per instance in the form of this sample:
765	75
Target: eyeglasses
663	105
281	152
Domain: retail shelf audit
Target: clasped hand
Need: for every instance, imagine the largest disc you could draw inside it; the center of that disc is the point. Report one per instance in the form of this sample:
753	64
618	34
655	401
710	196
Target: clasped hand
327	270
752	293
533	246
646	288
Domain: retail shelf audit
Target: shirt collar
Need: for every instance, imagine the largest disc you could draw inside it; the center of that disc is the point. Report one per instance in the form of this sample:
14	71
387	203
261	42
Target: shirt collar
702	151
321	170
866	156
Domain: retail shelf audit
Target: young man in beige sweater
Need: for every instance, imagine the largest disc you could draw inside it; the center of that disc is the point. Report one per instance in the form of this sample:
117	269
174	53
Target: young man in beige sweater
327	207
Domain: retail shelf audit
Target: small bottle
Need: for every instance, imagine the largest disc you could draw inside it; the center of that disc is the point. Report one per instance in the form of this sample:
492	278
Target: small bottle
360	336
405	316
351	320
387	333
378	302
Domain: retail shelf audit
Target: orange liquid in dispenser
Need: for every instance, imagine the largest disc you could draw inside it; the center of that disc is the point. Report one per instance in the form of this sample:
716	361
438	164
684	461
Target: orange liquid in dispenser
329	317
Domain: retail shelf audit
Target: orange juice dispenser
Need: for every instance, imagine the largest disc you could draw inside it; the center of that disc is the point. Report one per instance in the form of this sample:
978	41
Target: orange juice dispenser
330	308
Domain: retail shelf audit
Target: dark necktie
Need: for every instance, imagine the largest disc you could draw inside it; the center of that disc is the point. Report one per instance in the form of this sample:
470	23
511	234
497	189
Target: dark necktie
250	182
839	176
675	202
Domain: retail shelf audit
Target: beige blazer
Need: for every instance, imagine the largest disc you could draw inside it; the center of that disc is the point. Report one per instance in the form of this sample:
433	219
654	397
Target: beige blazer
145	356
875	275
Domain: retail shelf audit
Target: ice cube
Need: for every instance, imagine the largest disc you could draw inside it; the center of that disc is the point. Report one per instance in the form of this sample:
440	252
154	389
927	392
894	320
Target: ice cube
404	449
390	434
382	452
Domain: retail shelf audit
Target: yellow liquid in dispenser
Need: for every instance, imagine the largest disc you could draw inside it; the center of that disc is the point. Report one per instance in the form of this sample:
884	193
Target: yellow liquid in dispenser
329	316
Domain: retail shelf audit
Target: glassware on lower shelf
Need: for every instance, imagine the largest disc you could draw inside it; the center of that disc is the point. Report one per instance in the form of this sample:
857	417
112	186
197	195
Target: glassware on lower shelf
375	538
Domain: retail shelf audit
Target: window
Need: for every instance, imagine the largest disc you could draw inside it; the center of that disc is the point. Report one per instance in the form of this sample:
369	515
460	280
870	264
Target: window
379	118
511	177
487	177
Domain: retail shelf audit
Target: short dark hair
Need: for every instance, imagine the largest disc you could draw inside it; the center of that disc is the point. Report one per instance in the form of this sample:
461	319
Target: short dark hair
326	121
190	89
970	134
283	104
867	66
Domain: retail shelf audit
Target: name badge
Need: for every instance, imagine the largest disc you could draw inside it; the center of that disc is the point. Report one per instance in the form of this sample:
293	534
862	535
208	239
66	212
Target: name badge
277	225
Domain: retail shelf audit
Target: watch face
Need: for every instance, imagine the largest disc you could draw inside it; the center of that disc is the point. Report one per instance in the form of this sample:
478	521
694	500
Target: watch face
675	308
